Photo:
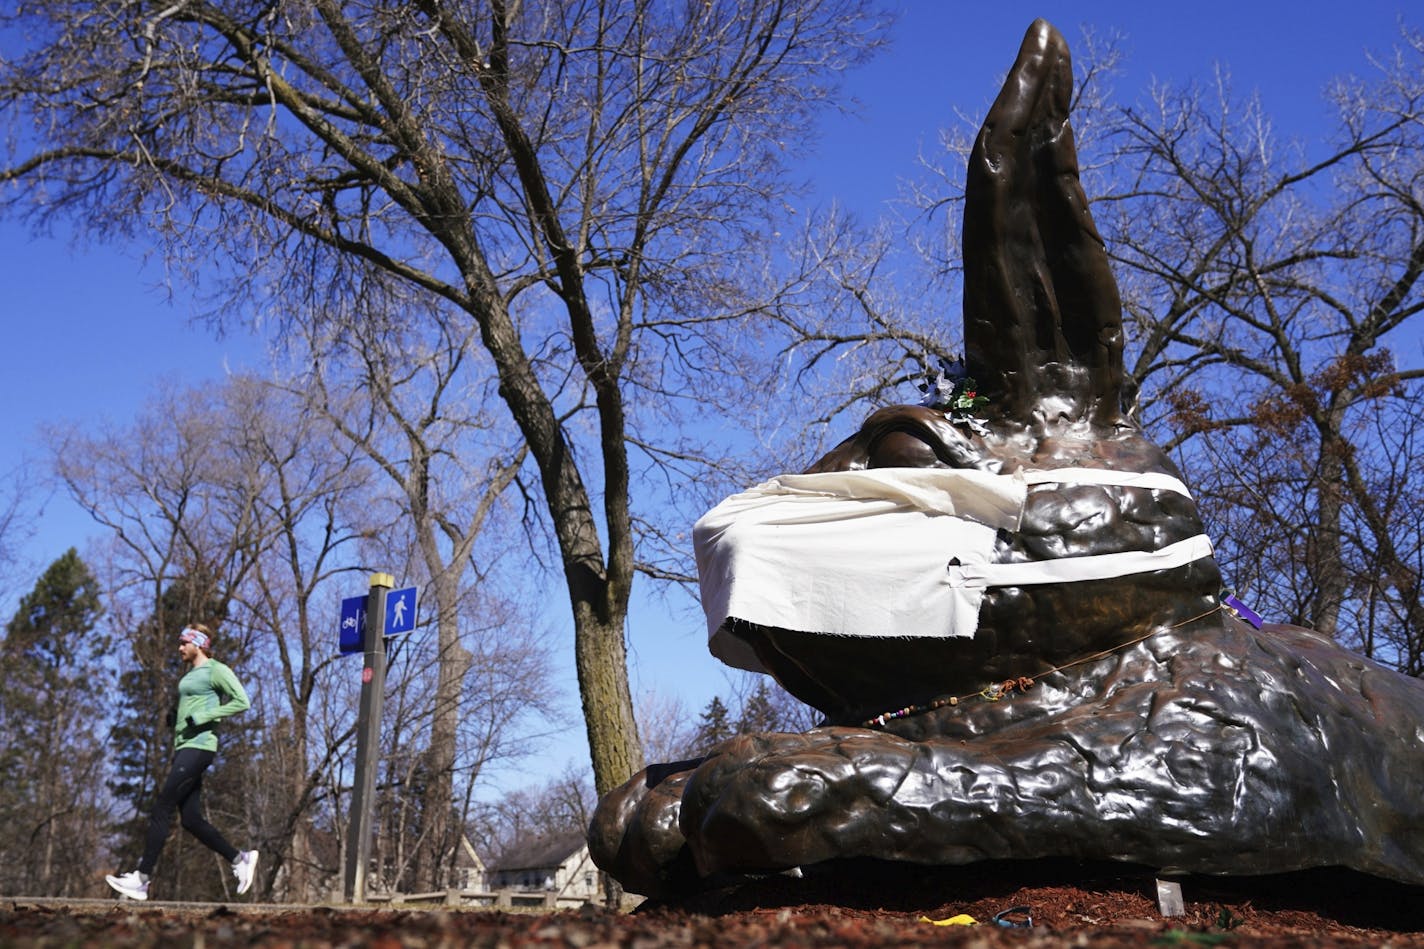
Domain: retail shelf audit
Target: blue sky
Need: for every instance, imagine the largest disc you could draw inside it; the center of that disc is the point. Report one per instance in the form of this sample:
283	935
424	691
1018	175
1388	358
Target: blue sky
91	334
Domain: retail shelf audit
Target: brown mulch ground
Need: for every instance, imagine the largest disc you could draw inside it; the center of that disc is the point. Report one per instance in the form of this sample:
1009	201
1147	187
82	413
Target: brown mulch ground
856	906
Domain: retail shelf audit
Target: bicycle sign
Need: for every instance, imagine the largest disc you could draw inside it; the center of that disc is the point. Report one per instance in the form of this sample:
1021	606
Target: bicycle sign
353	624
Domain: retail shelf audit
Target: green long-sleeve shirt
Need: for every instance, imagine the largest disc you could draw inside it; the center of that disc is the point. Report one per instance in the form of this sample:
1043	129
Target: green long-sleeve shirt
207	694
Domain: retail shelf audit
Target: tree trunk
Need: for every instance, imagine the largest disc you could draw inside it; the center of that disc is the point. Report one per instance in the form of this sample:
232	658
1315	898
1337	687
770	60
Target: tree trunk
453	667
300	859
1329	568
601	658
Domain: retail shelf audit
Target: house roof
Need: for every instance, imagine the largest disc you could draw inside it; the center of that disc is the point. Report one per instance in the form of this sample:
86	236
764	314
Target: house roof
540	853
466	857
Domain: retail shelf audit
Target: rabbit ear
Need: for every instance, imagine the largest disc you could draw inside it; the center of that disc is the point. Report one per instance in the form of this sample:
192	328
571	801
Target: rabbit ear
1042	315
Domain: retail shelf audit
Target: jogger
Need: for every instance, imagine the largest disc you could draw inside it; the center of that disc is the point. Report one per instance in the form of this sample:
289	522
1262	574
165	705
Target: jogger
207	693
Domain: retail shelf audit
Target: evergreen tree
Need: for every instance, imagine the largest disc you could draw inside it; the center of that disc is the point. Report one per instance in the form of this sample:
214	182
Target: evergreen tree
51	806
713	726
759	712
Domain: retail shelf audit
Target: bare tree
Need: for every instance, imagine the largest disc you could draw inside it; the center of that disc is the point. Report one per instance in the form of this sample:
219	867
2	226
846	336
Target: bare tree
16	517
180	535
276	507
506	707
582	181
415	409
665	724
559	805
186	495
311	519
1277	291
176	490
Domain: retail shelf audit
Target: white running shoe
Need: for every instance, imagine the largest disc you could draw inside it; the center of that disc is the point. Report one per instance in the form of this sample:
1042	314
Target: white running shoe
133	885
245	866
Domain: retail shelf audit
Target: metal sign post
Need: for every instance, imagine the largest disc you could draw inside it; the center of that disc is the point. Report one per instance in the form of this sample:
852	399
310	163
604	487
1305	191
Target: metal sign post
368	739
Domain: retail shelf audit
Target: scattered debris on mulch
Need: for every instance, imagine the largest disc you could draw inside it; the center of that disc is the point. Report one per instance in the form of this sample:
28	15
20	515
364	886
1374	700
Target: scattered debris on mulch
1099	904
850	904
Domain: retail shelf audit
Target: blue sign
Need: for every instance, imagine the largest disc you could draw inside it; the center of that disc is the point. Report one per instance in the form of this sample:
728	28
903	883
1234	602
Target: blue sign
400	611
353	624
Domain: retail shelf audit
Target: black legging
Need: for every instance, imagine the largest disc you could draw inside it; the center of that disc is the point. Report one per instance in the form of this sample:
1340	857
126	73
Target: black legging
182	790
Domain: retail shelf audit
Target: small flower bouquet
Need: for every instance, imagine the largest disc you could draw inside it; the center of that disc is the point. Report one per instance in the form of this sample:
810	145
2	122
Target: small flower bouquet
952	390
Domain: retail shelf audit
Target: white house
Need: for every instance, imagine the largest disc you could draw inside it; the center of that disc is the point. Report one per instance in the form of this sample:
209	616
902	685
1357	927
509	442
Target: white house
557	864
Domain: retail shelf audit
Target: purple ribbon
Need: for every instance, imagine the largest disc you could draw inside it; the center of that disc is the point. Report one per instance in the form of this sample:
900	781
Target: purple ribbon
1242	610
